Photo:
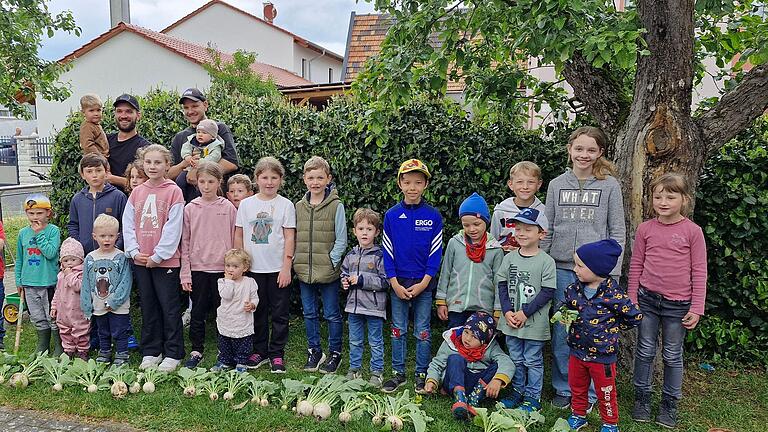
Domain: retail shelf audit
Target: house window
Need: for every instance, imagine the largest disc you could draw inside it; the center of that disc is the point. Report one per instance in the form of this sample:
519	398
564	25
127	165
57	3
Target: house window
303	68
330	75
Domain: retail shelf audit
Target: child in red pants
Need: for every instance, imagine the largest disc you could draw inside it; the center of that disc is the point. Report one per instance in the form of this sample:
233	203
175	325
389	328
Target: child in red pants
604	309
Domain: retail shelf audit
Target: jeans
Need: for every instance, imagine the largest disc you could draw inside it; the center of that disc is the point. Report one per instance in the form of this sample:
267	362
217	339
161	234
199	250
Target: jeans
113	327
561	352
529	366
458	375
422	311
357	324
458	319
667	315
329	293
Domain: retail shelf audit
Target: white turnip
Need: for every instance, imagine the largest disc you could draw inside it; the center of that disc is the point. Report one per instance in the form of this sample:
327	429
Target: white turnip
284	407
135	387
395	422
377	420
148	387
229	395
345	417
58	387
190	391
304	408
92	388
19	380
264	402
322	411
213	396
119	389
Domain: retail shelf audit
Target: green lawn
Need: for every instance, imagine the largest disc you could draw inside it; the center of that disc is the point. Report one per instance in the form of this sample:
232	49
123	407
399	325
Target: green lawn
735	400
12	225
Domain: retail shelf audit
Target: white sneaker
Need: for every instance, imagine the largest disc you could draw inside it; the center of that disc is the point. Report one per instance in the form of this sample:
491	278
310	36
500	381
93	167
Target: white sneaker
168	365
150	361
186	317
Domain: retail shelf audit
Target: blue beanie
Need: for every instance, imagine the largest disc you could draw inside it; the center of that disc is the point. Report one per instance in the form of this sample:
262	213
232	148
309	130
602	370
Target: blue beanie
600	256
475	205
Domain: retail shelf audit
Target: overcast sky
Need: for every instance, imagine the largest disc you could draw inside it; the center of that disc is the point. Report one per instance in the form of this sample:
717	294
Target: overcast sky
324	22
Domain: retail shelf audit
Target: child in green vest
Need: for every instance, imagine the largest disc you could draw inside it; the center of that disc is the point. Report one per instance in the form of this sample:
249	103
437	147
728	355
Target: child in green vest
321	239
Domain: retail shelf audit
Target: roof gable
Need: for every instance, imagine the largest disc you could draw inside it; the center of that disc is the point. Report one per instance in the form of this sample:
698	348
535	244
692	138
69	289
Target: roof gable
296	39
193	52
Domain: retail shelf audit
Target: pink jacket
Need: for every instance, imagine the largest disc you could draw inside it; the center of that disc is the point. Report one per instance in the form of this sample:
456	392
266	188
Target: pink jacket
152	222
209	232
66	299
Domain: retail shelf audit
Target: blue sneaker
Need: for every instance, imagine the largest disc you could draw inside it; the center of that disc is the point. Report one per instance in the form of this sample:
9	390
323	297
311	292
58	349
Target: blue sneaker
609	428
576	422
132	342
530	404
241	368
221	367
513	401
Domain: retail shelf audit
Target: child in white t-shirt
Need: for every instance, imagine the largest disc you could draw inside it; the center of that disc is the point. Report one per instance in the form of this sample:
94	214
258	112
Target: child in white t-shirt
266	229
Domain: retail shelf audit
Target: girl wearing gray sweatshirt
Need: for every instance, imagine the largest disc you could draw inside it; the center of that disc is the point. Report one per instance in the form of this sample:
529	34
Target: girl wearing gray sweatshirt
584	205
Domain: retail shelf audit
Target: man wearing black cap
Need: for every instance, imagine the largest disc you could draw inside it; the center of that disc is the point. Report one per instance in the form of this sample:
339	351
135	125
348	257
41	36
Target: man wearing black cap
195	105
124	143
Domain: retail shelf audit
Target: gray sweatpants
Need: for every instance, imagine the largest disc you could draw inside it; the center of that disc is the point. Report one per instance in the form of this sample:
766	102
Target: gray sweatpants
36	299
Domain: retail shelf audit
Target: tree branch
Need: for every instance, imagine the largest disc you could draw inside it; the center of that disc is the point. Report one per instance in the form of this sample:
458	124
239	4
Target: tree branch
600	93
736	109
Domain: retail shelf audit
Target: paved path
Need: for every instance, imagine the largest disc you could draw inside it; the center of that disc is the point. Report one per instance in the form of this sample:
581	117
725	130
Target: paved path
19	420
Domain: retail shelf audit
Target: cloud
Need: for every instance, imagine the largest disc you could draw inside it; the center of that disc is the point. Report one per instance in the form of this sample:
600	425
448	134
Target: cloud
324	22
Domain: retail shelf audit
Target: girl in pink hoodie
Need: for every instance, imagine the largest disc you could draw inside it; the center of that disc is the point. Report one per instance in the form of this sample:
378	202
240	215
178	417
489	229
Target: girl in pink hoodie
65	306
209	227
152	224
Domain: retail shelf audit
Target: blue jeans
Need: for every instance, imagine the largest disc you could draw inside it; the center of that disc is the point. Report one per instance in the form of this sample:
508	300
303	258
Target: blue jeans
458	319
329	293
529	366
113	328
667	315
561	352
457	374
357	324
422	310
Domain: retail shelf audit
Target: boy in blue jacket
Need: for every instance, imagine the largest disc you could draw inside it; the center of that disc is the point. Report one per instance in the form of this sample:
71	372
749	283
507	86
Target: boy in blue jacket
413	245
604	309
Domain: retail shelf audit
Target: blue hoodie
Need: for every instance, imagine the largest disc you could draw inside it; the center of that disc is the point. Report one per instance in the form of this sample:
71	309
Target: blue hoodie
84	209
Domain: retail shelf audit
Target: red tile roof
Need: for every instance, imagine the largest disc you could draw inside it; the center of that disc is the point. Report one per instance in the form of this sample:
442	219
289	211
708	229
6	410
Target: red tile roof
366	34
196	53
296	38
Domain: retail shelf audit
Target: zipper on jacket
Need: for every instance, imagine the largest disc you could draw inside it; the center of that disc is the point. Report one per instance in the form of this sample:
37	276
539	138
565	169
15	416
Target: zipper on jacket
357	300
93	218
311	234
469	283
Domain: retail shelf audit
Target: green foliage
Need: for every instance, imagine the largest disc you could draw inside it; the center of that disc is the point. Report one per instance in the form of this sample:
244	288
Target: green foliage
732	208
237	77
23	24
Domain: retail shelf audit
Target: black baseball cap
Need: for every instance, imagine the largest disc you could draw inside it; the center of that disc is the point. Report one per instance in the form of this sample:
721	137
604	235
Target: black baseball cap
192	94
125	97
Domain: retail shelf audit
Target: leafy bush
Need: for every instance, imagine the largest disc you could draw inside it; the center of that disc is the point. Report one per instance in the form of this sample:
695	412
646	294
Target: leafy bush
732	208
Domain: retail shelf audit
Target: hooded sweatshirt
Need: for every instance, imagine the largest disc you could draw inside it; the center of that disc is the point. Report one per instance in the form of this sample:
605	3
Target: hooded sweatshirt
208	233
152	223
66	298
465	285
502	224
580	214
84	208
369	295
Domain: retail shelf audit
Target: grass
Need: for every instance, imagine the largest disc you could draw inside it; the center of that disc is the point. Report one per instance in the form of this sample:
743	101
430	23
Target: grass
12	225
734	399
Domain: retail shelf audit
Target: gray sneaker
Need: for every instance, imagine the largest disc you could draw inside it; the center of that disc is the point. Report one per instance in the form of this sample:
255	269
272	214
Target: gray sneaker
376	380
562	402
394	383
667	416
354	374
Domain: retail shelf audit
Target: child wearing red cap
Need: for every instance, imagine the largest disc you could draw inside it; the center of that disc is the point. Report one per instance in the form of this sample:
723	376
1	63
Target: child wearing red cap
604	309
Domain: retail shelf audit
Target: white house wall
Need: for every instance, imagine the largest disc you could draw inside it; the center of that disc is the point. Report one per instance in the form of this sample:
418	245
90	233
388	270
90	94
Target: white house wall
127	63
229	31
318	72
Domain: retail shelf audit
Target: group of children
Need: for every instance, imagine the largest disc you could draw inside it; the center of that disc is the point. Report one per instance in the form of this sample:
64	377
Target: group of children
236	256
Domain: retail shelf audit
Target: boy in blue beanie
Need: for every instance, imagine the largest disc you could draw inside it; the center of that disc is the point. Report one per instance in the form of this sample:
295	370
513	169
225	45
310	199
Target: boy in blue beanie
604	309
471	259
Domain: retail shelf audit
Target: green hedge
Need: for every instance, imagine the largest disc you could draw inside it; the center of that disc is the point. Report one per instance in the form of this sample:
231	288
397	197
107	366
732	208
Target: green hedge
465	157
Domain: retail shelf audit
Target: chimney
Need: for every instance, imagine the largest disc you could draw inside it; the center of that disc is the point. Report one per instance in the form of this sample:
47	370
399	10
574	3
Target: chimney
119	11
270	12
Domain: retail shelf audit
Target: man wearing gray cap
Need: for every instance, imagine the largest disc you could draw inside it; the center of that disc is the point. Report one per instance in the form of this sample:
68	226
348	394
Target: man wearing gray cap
124	143
195	105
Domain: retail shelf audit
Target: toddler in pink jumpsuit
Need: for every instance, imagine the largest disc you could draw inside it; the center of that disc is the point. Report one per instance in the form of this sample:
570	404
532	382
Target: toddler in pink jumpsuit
65	306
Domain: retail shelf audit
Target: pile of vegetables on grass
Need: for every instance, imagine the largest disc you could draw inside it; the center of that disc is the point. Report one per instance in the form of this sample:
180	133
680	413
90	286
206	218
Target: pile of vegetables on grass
318	399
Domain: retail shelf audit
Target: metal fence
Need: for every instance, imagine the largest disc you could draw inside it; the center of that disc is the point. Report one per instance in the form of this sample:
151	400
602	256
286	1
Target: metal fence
7	152
43	150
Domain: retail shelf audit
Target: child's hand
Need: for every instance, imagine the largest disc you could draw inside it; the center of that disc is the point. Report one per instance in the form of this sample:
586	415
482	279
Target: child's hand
36	226
520	318
187	286
284	277
493	388
442	312
53	313
141	259
249	307
510	317
352	279
402	293
416	289
690	320
66	270
430	387
151	263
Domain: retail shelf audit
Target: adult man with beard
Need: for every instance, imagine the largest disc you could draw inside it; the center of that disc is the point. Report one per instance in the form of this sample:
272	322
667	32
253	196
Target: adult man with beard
195	105
124	143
